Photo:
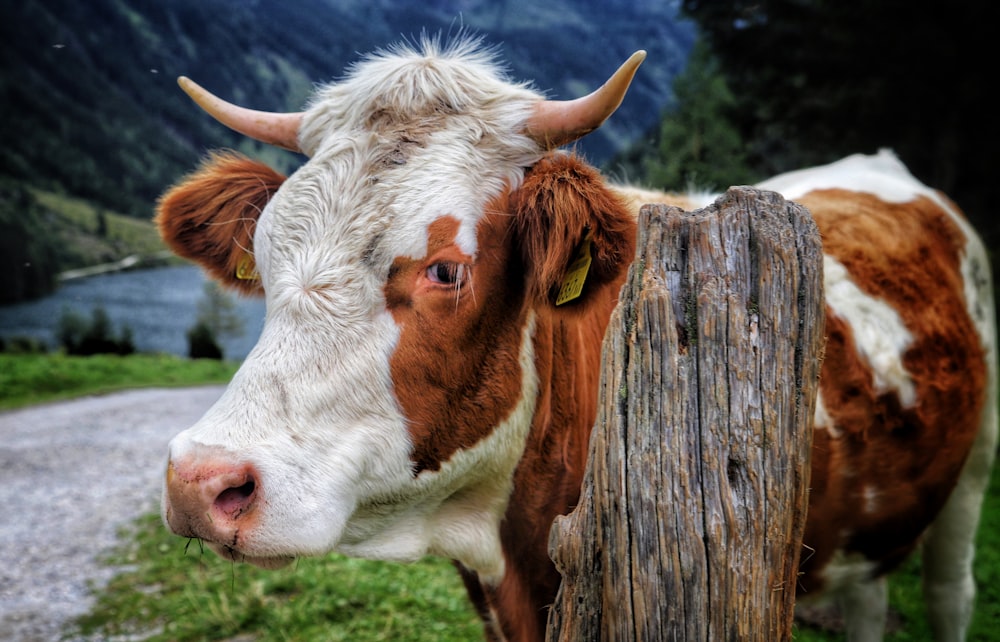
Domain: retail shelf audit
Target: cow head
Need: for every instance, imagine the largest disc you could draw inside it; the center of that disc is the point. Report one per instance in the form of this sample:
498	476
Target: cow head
387	402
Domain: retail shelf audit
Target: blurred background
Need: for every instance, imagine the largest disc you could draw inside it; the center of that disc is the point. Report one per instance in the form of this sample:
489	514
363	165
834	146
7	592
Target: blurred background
94	127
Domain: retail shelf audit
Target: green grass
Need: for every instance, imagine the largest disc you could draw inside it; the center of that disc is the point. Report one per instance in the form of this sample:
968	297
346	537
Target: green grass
171	590
33	378
169	593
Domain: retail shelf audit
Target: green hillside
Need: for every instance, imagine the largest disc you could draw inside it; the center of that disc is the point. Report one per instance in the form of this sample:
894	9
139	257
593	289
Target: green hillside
92	107
92	110
44	234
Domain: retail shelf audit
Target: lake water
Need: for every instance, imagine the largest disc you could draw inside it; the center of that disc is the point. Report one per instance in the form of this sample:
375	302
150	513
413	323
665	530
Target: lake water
159	304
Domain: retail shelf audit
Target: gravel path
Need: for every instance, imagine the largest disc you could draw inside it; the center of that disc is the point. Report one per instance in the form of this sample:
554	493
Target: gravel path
71	474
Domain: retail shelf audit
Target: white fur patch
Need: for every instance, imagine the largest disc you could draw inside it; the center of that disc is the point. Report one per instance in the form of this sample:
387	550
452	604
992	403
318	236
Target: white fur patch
880	174
441	132
822	419
886	177
880	336
845	570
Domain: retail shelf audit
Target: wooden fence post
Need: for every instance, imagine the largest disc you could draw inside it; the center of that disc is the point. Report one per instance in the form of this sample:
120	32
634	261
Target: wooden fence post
691	517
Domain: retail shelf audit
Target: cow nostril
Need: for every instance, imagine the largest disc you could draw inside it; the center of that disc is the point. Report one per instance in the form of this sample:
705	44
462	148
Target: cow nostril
236	500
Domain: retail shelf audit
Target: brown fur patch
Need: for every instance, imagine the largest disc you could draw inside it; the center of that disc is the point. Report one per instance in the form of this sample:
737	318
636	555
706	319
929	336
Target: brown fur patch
883	473
210	216
456	370
564	197
548	478
561	199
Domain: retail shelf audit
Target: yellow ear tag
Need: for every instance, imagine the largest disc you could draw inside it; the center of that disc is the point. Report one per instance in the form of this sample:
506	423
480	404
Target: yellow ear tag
246	269
576	274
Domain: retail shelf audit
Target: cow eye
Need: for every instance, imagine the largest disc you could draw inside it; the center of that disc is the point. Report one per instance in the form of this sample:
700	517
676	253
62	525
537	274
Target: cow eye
446	273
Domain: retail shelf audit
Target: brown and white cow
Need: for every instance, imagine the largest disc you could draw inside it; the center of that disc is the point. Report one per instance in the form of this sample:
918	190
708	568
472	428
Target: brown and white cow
416	390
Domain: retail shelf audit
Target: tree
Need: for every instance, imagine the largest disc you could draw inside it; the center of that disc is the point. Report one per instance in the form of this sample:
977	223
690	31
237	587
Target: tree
202	343
70	330
217	318
28	250
98	336
699	146
815	80
78	337
102	224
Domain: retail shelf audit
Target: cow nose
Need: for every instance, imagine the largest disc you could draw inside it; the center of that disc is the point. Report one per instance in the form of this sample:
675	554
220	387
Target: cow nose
211	500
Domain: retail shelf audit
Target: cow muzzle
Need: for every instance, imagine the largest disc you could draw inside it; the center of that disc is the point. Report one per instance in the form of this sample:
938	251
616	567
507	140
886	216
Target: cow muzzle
215	501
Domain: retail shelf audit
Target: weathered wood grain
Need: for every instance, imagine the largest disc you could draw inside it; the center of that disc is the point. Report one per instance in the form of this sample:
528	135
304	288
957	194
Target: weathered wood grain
690	521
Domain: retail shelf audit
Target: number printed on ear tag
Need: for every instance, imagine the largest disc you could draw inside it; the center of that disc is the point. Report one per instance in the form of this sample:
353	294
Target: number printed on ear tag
576	274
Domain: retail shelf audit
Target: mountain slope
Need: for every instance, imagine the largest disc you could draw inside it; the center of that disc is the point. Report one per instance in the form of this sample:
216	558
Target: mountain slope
92	108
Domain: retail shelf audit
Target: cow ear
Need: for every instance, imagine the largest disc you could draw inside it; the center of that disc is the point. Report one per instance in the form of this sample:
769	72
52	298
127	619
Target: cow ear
210	217
576	235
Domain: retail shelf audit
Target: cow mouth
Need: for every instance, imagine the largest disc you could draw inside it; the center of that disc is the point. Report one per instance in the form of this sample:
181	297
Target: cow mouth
266	562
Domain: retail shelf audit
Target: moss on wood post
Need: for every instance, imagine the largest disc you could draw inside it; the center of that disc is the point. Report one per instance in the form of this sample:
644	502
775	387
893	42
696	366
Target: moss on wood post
690	521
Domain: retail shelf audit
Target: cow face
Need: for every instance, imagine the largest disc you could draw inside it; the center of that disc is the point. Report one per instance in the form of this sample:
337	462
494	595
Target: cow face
386	405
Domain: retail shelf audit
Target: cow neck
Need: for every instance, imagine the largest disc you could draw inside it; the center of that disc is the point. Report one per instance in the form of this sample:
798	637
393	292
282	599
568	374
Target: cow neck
548	478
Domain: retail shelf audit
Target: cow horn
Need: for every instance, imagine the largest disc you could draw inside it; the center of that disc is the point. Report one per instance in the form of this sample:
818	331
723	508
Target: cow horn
557	122
271	128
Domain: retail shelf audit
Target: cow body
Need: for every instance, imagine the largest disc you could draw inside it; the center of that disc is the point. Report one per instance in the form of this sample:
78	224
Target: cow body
415	389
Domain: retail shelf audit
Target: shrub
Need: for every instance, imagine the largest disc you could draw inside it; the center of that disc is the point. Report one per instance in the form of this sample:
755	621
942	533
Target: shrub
78	337
217	317
202	343
22	345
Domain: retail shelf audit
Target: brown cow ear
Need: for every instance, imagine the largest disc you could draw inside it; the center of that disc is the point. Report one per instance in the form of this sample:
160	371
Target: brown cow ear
210	217
576	236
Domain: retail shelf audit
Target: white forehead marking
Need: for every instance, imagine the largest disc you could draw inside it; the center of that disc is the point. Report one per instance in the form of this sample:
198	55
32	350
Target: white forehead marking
434	132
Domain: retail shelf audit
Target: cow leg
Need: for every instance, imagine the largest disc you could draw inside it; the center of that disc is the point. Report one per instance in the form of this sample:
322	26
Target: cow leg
863	605
477	594
949	546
